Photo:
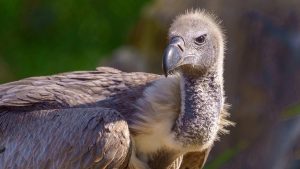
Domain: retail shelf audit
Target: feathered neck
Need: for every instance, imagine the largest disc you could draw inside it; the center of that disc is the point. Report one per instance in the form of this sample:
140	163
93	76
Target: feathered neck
201	102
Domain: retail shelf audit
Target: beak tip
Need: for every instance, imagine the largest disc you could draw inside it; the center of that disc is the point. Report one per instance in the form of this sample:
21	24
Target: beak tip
165	69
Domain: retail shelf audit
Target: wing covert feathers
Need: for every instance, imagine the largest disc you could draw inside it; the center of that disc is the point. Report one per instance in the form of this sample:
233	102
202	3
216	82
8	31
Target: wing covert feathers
77	138
70	89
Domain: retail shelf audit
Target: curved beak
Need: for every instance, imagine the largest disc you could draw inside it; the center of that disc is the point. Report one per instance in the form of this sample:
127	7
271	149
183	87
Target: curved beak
173	55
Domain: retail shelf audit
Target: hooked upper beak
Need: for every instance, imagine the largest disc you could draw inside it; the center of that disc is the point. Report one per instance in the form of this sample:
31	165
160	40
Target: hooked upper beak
173	55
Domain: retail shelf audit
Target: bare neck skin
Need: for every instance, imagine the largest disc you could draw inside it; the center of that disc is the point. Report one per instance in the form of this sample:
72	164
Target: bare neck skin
202	99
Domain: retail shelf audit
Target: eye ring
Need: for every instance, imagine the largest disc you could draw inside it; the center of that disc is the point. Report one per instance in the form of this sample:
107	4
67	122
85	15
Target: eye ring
201	39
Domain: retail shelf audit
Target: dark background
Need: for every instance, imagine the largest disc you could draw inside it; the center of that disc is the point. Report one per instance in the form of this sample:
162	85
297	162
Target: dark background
262	65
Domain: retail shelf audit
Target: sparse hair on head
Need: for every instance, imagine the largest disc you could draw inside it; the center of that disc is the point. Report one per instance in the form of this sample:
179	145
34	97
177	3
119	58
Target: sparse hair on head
204	15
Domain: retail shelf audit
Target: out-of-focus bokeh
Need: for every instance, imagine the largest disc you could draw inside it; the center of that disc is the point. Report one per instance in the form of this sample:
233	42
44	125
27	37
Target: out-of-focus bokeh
262	67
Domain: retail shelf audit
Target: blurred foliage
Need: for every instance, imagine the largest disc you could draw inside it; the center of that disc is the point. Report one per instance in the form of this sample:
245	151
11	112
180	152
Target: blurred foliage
225	156
39	37
291	111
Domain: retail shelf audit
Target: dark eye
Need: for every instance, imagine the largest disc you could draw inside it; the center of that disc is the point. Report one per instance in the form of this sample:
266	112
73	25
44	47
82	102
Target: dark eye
200	40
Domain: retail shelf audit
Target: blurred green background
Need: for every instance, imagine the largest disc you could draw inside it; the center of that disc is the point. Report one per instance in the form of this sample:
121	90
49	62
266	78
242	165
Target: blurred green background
45	37
262	64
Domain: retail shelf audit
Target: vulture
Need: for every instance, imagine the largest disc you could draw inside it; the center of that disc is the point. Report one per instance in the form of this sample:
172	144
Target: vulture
109	119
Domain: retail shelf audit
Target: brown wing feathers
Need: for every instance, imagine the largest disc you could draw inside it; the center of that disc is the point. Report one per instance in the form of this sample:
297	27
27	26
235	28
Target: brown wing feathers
70	89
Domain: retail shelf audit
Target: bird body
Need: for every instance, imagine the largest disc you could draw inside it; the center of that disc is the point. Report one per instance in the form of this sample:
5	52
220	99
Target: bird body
112	119
36	131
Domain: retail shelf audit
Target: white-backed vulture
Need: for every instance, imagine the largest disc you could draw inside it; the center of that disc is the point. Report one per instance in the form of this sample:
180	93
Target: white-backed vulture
112	119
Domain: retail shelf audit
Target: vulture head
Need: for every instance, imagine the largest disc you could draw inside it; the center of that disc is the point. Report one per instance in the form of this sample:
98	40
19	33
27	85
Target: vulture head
195	44
196	52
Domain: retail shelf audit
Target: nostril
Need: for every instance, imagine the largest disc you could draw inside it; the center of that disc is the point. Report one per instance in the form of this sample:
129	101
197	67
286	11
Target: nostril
180	48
